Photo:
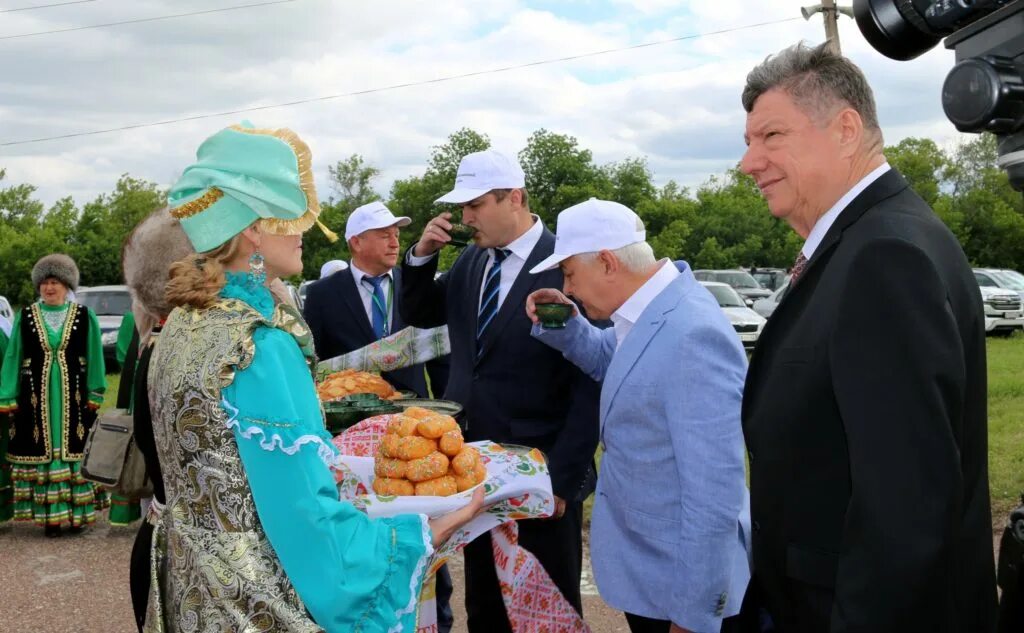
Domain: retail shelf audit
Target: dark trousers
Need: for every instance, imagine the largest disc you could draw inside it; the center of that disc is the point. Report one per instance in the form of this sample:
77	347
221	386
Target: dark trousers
445	617
748	620
138	573
557	544
640	624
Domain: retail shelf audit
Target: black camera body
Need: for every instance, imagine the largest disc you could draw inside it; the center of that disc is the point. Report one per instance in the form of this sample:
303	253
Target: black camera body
984	92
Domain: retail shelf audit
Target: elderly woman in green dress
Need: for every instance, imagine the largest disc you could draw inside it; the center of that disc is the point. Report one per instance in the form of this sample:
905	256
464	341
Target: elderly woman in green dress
51	385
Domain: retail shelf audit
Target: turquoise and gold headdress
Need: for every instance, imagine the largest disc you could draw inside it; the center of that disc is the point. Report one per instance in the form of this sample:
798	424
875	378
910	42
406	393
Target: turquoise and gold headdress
243	174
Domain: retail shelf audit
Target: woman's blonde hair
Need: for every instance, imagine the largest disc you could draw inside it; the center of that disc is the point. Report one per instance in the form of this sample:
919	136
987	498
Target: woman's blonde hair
196	280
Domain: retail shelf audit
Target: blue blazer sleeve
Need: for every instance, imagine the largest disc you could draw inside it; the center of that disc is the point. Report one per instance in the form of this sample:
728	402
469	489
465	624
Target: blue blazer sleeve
351	572
582	343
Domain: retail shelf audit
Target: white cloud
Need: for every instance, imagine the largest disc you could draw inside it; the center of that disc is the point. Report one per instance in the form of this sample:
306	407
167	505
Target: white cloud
678	104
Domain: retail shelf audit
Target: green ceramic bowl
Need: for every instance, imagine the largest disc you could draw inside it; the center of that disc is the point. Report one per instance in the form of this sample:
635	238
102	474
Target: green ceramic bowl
461	234
365	399
553	315
342	415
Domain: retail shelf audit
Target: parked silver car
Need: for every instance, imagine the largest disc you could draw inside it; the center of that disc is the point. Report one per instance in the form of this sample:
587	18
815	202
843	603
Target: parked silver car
747	323
110	303
740	280
766	306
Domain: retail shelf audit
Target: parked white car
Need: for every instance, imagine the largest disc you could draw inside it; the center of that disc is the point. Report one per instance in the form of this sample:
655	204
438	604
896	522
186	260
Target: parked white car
747	323
5	309
1003	314
766	306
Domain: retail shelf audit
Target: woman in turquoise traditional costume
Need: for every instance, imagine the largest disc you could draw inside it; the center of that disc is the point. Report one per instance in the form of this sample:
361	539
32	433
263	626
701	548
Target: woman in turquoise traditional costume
253	535
51	385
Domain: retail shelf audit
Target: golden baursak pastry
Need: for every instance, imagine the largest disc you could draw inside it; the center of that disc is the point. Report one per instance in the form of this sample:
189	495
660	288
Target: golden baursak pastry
439	487
397	487
389	445
415	447
435	426
465	482
390	468
430	467
451	443
466	461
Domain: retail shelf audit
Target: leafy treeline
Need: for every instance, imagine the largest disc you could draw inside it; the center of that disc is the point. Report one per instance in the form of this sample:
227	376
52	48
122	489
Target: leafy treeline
722	223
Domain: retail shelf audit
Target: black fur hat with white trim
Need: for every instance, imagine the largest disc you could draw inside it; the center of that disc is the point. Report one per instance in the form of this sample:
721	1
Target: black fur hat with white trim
60	267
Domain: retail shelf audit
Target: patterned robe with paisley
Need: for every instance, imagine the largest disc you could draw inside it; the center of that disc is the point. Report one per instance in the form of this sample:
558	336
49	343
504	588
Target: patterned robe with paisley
253	536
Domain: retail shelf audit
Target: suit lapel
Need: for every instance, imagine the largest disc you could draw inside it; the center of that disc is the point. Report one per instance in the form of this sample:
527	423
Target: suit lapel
521	287
650	322
887	185
354	302
396	319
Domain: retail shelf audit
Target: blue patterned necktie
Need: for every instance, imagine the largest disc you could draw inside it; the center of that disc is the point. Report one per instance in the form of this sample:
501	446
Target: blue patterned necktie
489	303
378	306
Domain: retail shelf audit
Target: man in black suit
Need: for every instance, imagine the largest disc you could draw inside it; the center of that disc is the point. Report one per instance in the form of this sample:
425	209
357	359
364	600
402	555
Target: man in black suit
513	388
358	305
865	404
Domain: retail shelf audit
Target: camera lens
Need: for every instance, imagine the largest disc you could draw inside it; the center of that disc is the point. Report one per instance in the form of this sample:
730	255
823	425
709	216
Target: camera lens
894	28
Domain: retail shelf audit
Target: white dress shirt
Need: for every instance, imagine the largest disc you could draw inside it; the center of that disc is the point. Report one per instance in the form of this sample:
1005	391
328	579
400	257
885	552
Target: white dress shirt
366	291
520	248
629	312
826	221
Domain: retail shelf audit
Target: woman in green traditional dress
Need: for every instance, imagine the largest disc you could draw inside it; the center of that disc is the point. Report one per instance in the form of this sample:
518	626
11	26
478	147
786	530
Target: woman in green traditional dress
6	491
51	385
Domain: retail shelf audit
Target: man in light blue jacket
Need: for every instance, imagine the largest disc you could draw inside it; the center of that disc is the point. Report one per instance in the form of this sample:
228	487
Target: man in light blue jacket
669	533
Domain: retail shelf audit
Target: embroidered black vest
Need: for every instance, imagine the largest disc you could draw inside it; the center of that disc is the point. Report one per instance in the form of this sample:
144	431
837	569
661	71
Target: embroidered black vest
30	435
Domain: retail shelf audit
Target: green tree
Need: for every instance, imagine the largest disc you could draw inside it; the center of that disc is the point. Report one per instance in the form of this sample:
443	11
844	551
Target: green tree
922	163
559	174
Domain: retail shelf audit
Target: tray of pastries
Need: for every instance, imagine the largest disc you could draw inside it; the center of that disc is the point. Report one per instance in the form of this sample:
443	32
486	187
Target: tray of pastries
349	381
423	454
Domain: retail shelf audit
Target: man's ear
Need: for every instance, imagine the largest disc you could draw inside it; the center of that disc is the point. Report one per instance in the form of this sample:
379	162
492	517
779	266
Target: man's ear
517	197
609	262
850	128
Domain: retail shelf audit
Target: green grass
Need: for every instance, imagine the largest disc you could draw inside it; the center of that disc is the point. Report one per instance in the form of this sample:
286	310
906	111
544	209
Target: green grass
1005	427
110	395
1005	423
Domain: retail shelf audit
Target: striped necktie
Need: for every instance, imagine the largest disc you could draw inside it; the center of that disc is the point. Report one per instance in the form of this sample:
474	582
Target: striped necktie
489	303
378	306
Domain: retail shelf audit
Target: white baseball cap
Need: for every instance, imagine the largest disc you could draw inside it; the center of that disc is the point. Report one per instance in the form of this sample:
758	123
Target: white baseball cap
481	172
332	267
591	226
372	216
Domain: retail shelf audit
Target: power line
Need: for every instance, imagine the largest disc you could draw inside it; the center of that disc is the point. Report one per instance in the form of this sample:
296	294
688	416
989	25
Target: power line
45	6
141	20
398	86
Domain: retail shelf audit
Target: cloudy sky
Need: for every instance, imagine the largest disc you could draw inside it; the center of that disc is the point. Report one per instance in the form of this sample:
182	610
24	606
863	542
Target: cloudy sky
676	104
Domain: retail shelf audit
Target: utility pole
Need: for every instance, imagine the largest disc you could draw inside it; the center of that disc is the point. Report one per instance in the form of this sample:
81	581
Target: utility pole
830	11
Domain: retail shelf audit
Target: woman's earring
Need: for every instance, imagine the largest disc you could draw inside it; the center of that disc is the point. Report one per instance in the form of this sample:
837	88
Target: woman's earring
257	275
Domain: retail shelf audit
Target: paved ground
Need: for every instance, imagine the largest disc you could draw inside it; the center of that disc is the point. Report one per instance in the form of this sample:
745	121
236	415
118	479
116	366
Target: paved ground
79	584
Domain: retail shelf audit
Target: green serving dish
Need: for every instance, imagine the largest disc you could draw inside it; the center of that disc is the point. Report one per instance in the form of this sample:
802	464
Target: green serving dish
342	415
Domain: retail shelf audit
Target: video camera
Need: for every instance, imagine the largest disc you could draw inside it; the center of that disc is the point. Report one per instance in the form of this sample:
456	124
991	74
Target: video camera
984	92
